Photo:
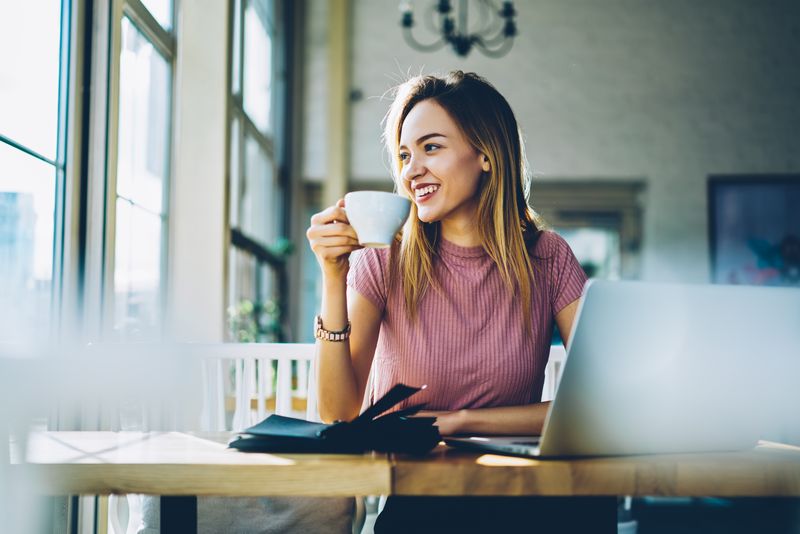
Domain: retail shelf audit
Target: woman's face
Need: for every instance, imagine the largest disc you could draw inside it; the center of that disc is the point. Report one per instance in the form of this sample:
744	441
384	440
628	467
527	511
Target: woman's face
440	169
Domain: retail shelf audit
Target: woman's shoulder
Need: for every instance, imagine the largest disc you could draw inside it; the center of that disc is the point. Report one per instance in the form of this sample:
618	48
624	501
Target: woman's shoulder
549	243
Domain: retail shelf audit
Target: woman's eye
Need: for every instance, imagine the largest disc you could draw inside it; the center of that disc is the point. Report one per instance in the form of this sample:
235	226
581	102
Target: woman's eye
431	147
403	157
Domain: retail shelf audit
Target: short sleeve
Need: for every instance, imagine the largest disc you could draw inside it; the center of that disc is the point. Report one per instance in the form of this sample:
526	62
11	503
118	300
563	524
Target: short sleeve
564	275
367	275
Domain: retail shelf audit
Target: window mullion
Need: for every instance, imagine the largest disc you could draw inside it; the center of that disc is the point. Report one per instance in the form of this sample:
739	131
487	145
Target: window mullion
27	150
252	130
149	26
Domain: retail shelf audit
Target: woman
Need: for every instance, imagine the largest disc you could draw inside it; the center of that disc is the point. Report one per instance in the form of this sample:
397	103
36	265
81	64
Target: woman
465	300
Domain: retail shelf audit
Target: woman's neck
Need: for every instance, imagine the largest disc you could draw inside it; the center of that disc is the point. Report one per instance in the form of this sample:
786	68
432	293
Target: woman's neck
462	232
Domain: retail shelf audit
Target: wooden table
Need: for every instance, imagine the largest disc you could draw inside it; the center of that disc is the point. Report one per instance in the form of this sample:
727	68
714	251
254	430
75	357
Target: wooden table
768	470
172	463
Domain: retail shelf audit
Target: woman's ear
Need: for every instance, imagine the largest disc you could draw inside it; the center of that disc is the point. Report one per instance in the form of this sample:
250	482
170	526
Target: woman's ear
485	163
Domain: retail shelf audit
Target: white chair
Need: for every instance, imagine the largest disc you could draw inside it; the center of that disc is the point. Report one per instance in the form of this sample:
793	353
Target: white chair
552	373
243	383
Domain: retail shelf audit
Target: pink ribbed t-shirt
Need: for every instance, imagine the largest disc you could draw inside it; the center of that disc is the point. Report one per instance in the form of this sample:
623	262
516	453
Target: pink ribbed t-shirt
468	342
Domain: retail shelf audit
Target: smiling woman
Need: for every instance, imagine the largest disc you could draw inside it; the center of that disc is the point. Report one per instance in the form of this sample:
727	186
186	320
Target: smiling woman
465	299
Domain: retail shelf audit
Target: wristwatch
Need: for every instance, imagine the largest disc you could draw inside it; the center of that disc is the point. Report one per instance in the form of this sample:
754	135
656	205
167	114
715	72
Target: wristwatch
328	335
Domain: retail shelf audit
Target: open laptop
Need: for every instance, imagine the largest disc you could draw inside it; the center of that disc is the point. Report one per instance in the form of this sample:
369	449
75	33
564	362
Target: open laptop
668	368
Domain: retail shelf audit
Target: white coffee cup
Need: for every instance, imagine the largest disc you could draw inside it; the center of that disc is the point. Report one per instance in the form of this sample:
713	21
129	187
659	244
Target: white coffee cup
376	216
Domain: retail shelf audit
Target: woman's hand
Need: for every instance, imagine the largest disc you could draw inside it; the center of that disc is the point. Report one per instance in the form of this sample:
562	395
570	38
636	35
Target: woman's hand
449	423
332	239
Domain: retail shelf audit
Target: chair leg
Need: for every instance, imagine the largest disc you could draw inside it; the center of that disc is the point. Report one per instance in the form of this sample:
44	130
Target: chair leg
360	515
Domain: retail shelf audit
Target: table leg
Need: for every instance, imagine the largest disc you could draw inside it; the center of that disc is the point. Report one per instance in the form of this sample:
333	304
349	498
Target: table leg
178	514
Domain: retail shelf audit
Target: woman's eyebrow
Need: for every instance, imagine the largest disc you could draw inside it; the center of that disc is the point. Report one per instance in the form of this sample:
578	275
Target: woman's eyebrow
425	137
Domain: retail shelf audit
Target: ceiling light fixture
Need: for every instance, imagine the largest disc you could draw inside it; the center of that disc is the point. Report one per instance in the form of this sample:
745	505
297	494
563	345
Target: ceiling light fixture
493	34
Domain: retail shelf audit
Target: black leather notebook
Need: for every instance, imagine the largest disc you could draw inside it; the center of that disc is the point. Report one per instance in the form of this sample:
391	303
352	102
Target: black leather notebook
393	432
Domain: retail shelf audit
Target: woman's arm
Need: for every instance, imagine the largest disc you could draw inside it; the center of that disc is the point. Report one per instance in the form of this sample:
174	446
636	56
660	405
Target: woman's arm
527	419
565	318
508	420
342	366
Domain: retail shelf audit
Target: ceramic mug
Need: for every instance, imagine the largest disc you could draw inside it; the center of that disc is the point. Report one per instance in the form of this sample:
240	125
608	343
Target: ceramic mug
376	216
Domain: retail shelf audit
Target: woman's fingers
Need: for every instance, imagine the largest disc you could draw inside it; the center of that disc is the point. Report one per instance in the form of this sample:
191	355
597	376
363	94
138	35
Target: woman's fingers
330	215
334	241
320	231
332	238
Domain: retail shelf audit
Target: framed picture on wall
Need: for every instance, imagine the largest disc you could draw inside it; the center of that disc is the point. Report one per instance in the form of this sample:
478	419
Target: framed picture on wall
754	229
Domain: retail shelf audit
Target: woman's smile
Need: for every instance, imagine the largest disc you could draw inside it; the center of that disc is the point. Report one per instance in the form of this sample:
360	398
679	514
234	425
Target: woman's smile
424	192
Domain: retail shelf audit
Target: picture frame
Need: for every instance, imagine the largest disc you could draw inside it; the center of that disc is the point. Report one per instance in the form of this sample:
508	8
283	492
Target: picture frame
754	229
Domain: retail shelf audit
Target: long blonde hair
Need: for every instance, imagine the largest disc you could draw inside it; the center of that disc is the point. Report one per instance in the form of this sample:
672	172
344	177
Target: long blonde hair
508	227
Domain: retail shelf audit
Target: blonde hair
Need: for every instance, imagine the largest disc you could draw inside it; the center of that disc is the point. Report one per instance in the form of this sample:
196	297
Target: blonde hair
508	227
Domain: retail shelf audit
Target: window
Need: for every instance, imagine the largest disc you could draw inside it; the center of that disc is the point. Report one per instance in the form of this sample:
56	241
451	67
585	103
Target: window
142	169
34	53
258	196
601	221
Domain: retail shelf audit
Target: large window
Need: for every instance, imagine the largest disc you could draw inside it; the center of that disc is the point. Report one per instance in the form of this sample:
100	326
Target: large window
146	51
257	210
34	55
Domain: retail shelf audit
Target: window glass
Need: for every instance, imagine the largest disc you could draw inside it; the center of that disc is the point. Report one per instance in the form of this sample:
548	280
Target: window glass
597	250
253	313
258	216
242	323
137	273
142	174
236	49
29	55
258	64
235	174
161	11
144	103
27	205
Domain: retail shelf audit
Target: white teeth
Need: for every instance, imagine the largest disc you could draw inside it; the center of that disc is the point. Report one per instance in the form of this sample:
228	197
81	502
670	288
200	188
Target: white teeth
426	190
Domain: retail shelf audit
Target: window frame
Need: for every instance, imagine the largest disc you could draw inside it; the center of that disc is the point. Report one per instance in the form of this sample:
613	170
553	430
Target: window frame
164	43
274	146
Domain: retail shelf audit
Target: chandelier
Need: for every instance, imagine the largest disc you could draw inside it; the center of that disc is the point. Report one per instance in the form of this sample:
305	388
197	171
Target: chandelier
493	34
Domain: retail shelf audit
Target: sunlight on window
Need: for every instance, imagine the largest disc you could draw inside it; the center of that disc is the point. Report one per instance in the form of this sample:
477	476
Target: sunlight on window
258	65
142	163
142	173
29	55
27	204
258	216
137	272
161	11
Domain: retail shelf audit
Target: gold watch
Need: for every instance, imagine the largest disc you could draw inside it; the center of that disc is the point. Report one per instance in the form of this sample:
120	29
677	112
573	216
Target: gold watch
328	335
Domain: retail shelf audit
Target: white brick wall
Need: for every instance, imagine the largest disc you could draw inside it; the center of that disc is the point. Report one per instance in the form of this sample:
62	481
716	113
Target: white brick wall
668	91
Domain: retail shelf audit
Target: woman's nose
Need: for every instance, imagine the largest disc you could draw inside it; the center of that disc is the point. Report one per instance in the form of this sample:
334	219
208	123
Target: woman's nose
412	169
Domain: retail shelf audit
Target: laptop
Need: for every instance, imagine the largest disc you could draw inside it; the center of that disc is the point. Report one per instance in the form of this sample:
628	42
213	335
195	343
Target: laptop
671	368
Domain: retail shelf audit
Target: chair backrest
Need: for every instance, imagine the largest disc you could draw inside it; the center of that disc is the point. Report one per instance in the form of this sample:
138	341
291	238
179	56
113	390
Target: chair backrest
552	373
244	382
